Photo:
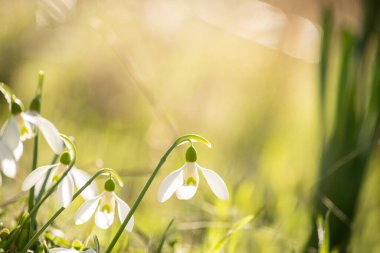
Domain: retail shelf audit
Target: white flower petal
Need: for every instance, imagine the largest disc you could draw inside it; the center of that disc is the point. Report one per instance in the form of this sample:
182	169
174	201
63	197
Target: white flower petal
170	184
87	209
65	191
80	178
104	219
105	214
17	152
186	191
38	185
7	161
48	130
123	210
11	135
35	176
216	183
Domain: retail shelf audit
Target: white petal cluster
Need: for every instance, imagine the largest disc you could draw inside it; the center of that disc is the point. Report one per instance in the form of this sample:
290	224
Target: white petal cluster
65	190
103	206
18	129
184	183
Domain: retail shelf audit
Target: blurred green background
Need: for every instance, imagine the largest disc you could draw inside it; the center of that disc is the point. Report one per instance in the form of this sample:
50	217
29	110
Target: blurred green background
125	78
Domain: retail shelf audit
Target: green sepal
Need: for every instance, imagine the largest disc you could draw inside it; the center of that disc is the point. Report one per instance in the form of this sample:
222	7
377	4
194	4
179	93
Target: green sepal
35	105
191	155
78	245
65	158
16	106
109	185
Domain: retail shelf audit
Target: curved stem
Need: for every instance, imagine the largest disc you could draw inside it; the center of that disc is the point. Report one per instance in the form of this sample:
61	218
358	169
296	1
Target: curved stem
43	228
140	197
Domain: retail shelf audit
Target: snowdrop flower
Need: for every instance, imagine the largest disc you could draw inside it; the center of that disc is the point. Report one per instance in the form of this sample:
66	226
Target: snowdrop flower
103	206
65	189
184	181
59	250
22	127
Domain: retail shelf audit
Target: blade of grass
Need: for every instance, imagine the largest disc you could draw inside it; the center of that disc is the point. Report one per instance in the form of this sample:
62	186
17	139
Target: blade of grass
164	236
235	228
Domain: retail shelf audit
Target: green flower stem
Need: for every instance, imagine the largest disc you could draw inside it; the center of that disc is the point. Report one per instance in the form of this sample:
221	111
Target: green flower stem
138	200
43	228
179	141
36	106
31	192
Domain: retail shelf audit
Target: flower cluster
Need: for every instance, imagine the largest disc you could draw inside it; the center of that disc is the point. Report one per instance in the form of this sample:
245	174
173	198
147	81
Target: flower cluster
68	181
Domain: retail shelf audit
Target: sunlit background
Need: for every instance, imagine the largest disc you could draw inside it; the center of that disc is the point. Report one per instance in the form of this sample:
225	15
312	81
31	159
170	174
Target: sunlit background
125	78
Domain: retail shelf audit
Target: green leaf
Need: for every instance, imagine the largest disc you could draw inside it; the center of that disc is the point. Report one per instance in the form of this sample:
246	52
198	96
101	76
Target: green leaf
97	245
323	233
192	138
235	228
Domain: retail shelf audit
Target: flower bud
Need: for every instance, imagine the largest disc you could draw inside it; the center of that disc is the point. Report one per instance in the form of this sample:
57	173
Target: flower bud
4	233
191	154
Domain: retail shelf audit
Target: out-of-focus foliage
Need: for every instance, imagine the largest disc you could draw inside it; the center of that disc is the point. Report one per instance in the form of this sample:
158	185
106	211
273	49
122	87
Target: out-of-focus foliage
126	78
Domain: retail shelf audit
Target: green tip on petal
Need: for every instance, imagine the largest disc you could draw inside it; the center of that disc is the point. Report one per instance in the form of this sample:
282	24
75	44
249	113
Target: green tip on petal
191	155
16	106
65	158
109	185
78	245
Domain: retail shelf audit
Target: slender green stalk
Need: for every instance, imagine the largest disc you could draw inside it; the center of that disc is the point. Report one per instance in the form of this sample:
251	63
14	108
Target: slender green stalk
186	138
31	192
35	106
138	200
43	228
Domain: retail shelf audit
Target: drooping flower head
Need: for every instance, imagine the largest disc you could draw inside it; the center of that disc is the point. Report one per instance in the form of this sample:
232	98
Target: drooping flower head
20	127
65	190
26	124
103	206
185	180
